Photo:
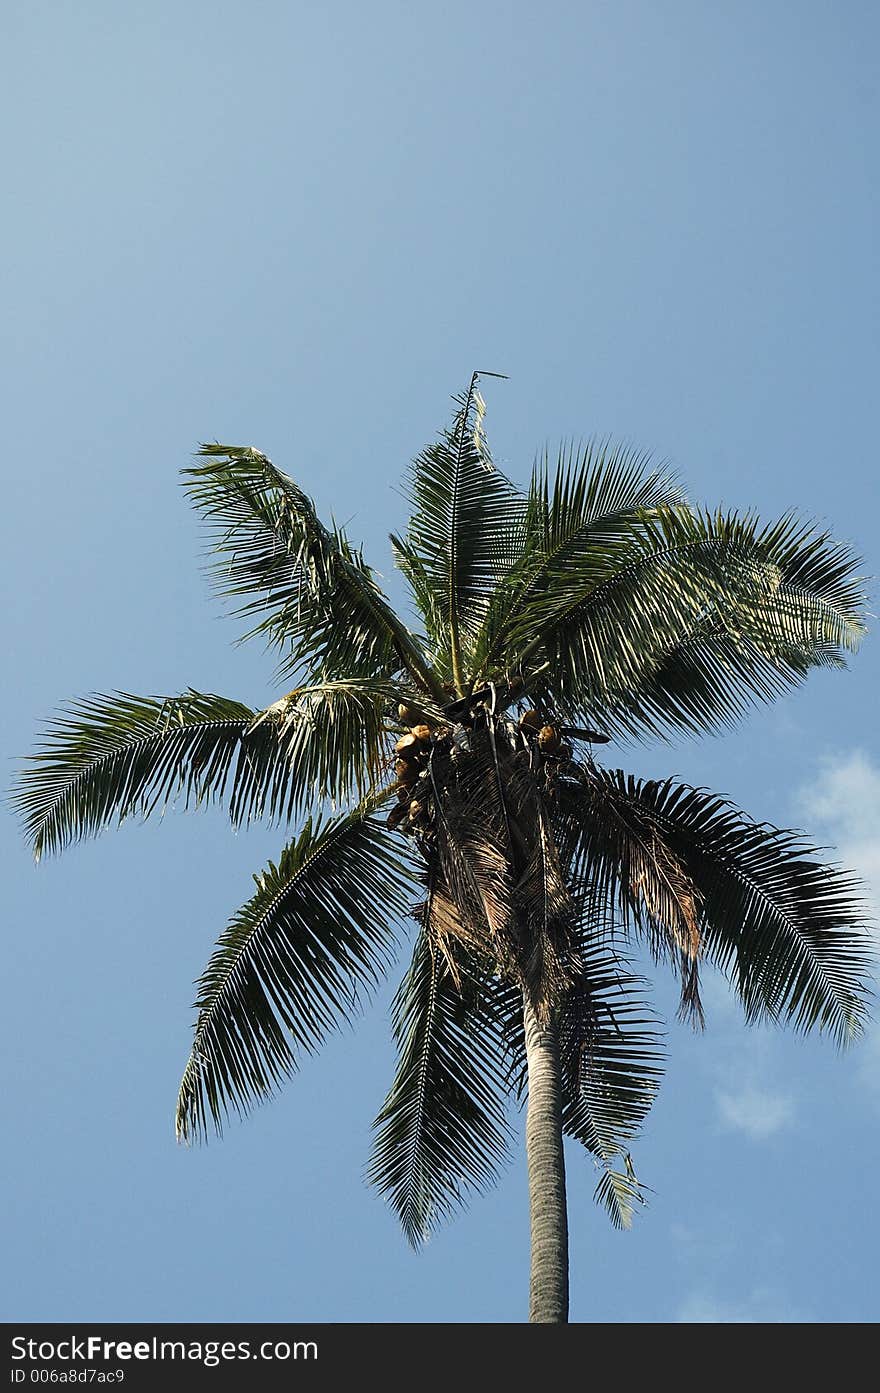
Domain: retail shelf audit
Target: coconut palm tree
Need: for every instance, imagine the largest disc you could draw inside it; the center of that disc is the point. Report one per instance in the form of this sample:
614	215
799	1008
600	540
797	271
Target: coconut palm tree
457	757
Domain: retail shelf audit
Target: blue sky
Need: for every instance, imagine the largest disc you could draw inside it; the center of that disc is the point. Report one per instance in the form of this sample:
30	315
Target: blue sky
302	226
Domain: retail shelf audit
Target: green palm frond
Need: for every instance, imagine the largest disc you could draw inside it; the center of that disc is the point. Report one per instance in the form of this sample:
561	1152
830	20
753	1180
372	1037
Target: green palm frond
788	930
605	621
442	1133
575	515
707	680
319	601
462	533
333	739
111	757
619	1192
728	661
695	618
502	1002
292	965
820	600
429	603
612	1063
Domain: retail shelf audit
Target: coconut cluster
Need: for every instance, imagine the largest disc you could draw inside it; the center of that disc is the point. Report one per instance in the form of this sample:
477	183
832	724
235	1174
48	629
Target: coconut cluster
410	768
531	738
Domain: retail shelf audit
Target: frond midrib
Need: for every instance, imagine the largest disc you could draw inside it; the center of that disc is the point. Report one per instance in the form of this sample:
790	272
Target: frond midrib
452	587
410	1185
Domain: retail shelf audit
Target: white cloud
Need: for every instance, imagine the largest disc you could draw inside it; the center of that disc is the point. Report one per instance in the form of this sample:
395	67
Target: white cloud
750	1093
754	1090
761	1305
755	1111
841	805
700	1309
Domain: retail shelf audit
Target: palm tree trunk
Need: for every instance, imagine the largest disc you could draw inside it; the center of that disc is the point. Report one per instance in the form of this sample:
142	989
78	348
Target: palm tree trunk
548	1299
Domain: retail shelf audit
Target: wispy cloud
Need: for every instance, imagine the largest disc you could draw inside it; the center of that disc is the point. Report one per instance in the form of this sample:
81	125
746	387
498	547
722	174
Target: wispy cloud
761	1305
842	805
744	1067
755	1111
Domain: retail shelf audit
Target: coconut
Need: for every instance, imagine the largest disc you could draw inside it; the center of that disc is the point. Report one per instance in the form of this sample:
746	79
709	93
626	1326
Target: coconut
408	747
548	739
530	720
410	715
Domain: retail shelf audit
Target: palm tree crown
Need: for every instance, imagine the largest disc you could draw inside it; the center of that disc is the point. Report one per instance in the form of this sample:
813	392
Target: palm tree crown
457	757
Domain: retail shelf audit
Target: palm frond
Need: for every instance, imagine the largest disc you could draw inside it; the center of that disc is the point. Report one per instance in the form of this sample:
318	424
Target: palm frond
543	905
820	599
318	599
292	965
502	1001
787	929
109	757
729	661
619	1192
429	603
623	867
690	621
612	1063
604	622
462	532
707	680
473	847
575	515
442	1133
333	740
